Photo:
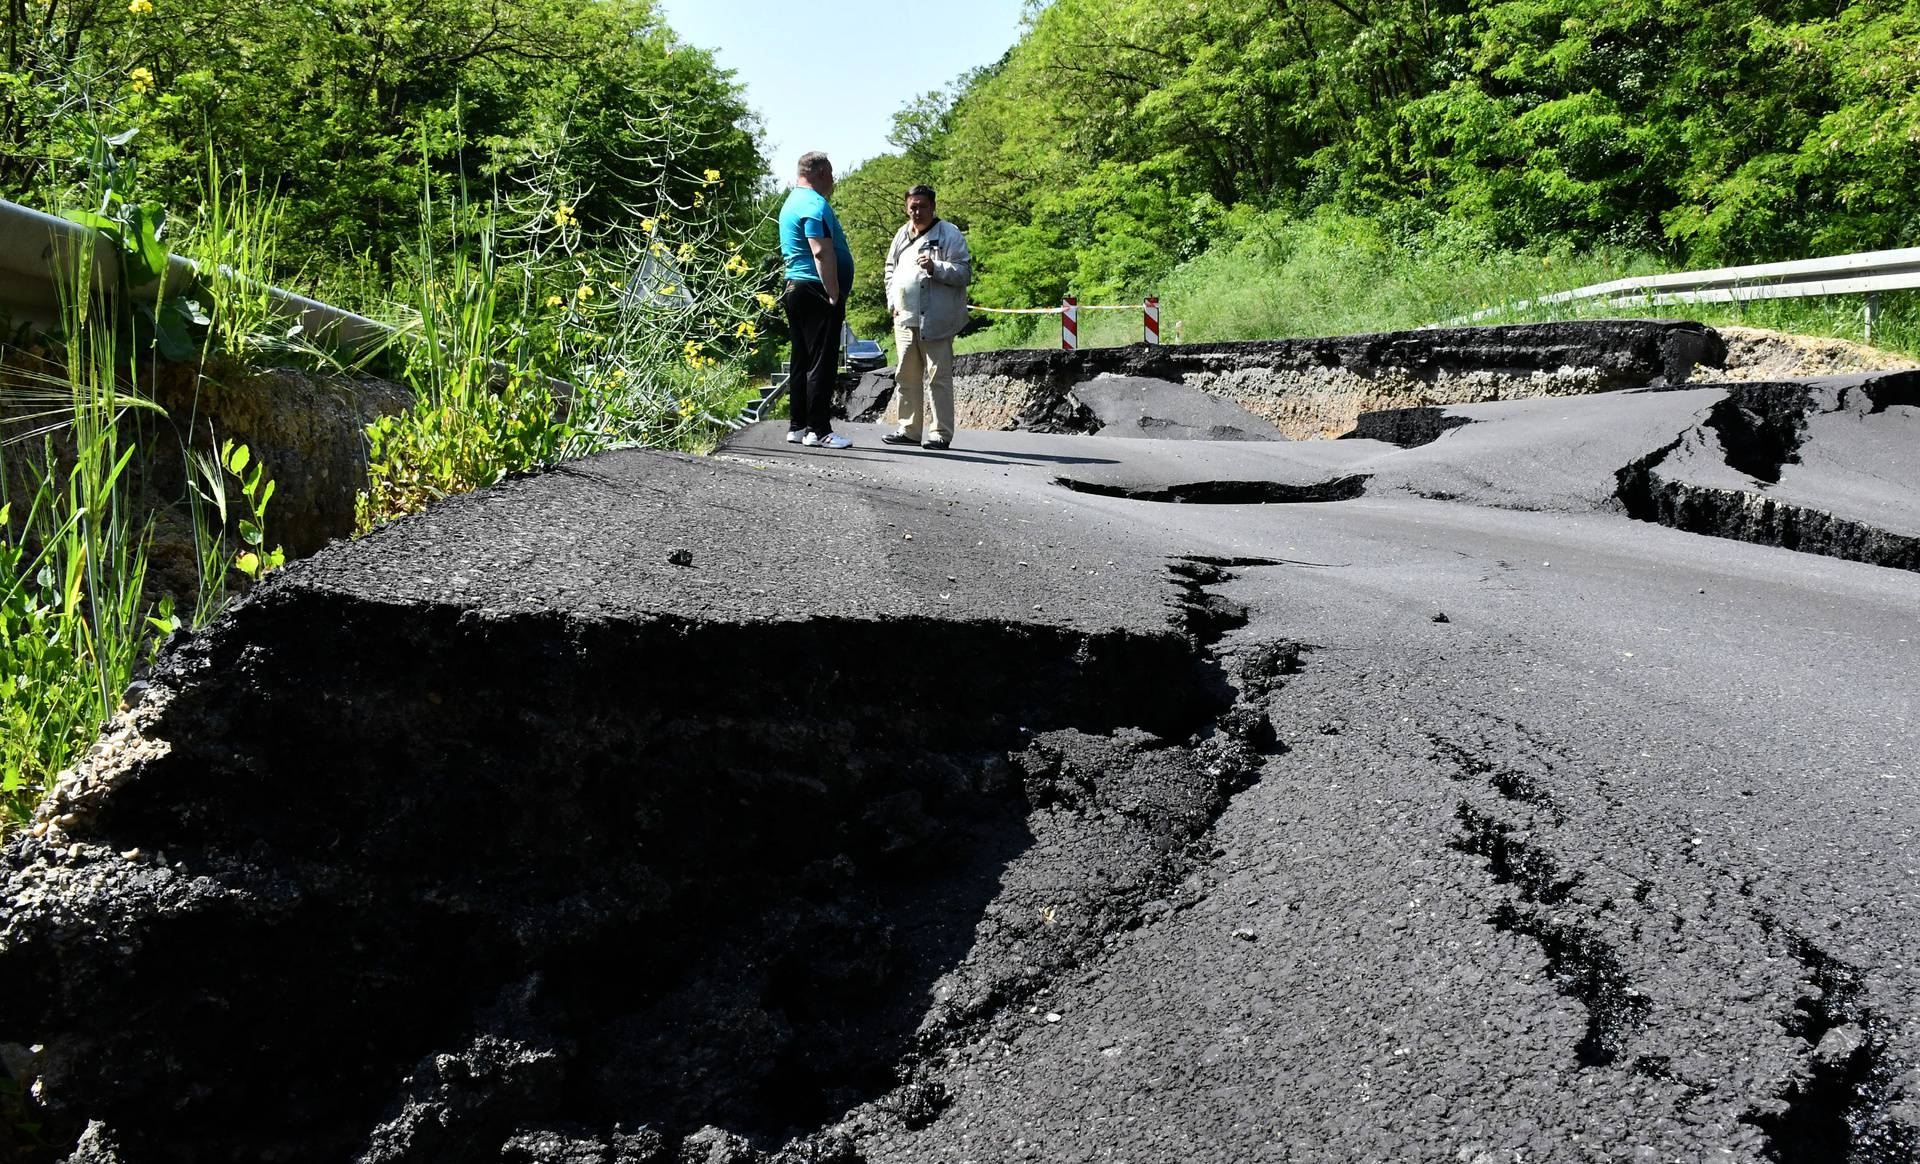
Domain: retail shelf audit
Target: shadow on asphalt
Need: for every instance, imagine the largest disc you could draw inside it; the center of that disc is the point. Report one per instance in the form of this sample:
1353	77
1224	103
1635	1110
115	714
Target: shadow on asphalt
977	456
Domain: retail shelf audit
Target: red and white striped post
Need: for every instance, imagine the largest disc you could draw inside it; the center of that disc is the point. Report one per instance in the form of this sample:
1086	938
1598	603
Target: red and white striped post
1069	323
1150	312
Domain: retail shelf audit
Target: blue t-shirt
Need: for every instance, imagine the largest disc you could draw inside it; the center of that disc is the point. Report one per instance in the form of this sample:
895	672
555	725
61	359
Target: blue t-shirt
806	215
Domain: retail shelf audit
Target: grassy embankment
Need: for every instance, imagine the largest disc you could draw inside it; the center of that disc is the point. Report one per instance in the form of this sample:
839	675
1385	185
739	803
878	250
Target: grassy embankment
1339	275
483	337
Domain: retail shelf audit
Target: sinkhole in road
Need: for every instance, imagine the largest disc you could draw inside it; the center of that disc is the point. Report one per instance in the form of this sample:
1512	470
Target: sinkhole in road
418	885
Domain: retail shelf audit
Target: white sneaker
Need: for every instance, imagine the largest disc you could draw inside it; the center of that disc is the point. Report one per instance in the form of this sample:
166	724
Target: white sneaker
832	440
793	436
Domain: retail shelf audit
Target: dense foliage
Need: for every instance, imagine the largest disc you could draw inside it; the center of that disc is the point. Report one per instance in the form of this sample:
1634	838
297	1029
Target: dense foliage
1120	137
337	105
559	207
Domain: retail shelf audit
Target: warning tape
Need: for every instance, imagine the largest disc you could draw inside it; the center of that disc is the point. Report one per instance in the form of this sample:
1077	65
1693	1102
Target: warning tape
1053	310
1069	313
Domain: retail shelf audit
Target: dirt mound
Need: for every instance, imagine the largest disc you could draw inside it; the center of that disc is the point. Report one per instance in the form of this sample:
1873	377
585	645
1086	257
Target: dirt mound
1754	353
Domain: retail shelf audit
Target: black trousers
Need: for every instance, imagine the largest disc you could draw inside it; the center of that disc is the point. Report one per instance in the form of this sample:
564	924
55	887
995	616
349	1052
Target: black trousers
814	326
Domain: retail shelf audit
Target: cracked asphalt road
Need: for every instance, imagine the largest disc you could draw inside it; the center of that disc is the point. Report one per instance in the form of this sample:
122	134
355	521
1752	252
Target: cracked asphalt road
887	805
1615	863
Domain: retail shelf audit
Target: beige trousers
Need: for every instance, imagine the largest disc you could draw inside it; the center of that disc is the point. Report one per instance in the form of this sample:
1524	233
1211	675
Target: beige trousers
925	384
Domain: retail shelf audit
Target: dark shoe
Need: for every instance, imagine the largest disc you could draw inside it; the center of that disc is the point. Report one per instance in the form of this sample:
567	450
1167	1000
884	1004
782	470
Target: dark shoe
898	438
935	443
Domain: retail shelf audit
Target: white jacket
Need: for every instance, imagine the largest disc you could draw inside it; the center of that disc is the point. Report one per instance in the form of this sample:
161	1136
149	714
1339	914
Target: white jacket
935	302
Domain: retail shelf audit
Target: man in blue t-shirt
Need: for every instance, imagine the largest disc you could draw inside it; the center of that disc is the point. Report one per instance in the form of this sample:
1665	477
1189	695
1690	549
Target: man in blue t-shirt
819	271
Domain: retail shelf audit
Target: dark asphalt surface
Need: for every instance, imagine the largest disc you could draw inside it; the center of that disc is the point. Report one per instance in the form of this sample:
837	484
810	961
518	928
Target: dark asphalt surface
1583	838
1693	760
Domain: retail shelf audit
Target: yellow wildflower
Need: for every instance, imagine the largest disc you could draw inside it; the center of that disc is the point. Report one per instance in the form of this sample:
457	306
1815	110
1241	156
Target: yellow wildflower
712	177
563	216
699	199
140	7
142	79
668	289
646	224
685	252
585	293
737	265
554	301
746	330
658	248
765	300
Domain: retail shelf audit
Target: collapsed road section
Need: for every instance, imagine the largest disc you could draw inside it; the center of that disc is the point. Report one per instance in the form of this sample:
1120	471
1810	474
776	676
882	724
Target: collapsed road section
1305	389
487	838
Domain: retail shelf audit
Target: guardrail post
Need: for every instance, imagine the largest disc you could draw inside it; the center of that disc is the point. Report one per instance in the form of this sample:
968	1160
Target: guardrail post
1872	309
1069	323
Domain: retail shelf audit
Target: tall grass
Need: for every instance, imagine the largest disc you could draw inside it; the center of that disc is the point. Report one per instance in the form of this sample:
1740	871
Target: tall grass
77	612
1896	326
235	249
482	404
536	336
73	561
1339	274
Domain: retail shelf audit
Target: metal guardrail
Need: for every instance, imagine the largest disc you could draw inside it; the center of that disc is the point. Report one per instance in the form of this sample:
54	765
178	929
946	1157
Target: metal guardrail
761	408
36	249
1867	273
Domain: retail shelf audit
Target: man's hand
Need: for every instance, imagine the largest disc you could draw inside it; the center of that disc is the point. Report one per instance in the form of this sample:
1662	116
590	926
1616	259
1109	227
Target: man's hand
926	262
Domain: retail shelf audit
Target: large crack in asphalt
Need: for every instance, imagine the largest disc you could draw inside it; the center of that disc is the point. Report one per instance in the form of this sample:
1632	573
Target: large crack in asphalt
1581	963
404	884
1758	429
1761	427
1242	492
1837	1105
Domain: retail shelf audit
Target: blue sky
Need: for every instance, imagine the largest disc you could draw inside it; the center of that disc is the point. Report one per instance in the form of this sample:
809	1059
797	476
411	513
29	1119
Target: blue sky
881	54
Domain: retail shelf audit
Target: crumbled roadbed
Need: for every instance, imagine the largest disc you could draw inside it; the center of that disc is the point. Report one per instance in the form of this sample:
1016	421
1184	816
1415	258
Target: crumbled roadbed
396	883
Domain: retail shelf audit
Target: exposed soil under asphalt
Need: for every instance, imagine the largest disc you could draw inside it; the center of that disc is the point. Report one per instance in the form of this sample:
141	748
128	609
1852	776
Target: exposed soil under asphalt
1755	353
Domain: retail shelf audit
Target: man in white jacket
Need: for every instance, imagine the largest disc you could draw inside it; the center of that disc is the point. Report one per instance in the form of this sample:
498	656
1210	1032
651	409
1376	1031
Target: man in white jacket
928	269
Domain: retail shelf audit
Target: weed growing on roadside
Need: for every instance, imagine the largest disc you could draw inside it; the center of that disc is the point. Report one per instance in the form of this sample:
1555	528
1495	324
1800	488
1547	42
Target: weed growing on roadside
540	336
76	613
483	406
225	541
74	617
652	311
